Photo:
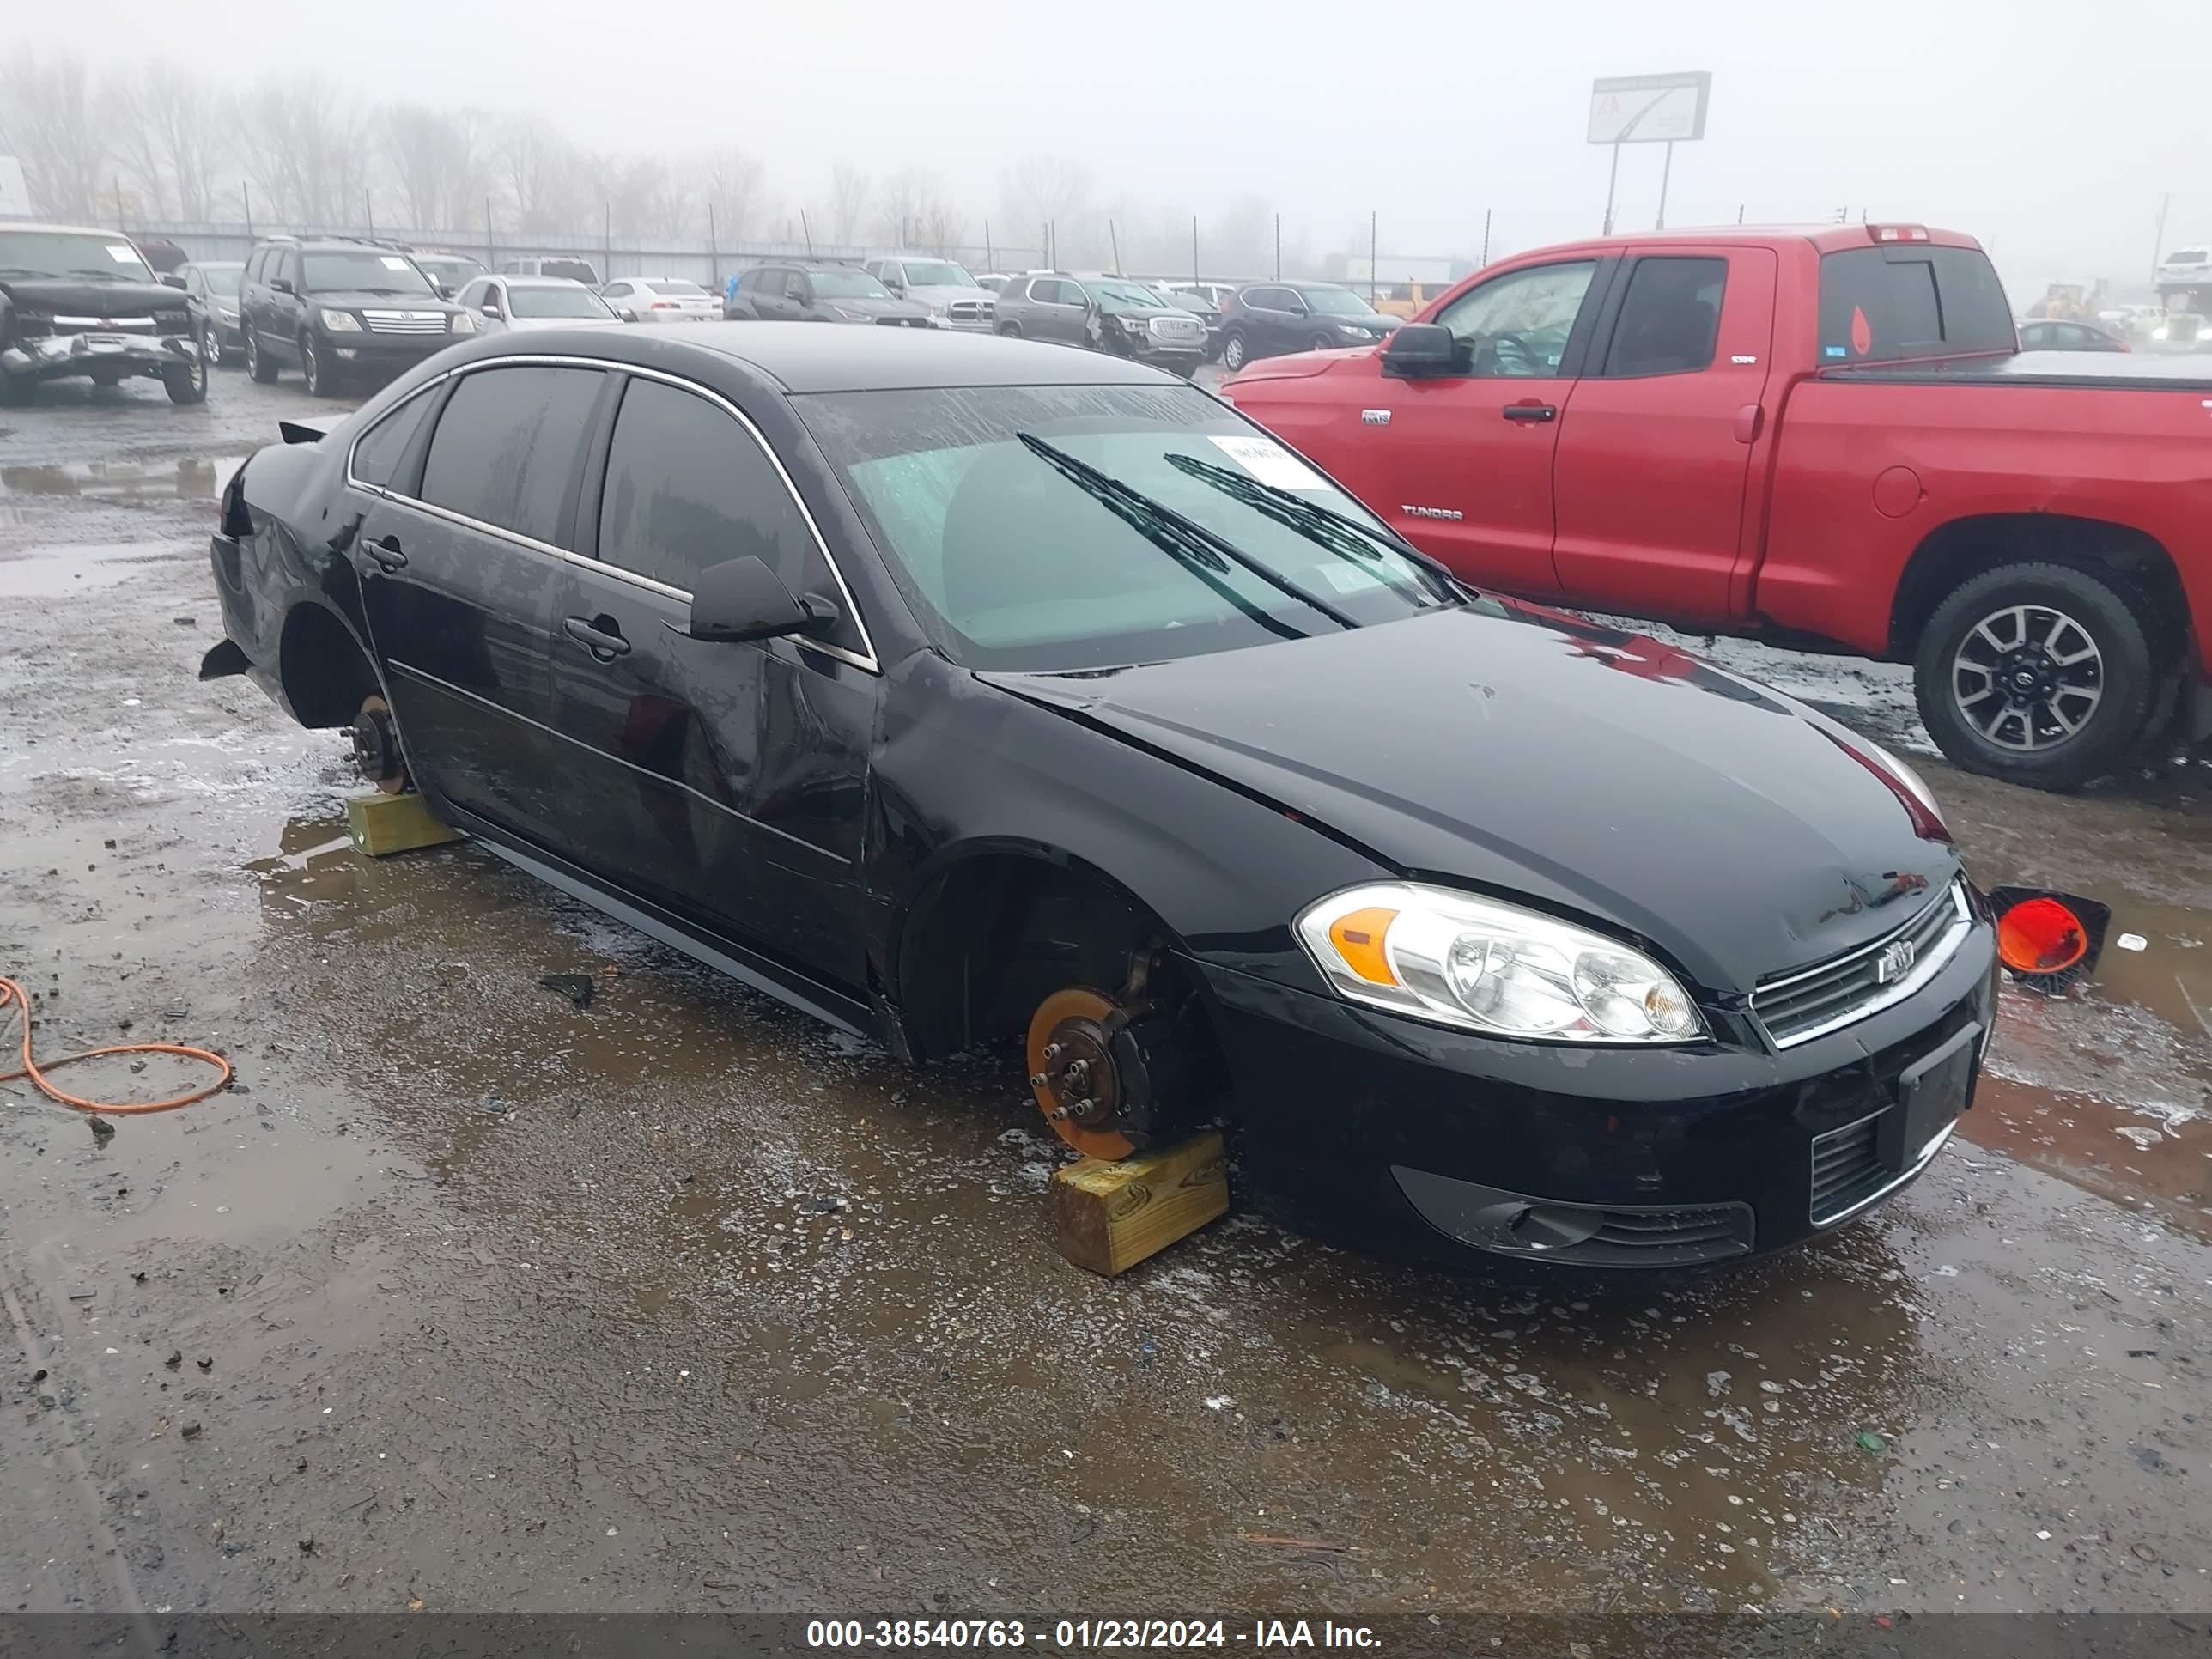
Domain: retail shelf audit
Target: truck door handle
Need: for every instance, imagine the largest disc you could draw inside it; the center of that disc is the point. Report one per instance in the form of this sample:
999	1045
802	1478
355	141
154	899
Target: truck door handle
386	551
1750	421
605	644
1532	411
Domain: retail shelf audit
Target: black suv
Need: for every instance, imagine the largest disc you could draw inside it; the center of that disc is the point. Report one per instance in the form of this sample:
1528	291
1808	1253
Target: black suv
342	309
1266	319
75	301
812	292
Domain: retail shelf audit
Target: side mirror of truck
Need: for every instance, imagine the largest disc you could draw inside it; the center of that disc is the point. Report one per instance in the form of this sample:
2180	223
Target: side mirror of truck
1423	349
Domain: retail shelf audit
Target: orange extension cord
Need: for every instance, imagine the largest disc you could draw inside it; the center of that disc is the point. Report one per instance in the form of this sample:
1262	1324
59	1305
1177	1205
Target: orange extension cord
12	994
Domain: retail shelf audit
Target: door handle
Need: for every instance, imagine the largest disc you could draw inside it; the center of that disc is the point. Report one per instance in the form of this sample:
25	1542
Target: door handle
386	551
1532	412
1749	420
604	645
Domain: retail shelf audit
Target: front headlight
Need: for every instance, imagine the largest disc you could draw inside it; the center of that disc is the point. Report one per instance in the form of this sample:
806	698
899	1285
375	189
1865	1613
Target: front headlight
939	308
852	316
464	323
1134	322
340	322
1353	329
1445	956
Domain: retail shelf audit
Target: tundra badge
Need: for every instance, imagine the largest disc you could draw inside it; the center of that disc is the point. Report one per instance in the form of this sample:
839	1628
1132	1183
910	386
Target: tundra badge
1450	512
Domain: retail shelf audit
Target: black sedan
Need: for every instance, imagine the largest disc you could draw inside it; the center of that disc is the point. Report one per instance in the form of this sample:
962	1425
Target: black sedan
963	691
2059	334
1269	319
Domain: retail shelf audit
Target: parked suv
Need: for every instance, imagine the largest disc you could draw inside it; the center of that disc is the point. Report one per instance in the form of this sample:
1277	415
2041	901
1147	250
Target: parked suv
214	286
1105	313
77	301
342	309
1269	319
952	297
552	264
818	293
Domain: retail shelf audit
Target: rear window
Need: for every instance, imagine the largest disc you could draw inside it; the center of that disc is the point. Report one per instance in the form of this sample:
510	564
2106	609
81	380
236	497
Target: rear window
1881	304
2187	256
508	445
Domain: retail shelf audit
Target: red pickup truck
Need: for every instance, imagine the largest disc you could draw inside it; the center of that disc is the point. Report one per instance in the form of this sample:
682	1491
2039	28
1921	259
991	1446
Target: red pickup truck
1827	438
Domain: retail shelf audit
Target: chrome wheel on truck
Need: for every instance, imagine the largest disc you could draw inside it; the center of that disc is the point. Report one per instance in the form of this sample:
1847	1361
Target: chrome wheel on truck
2047	675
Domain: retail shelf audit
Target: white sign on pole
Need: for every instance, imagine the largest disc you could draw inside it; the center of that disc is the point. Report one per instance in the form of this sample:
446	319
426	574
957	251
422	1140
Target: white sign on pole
1649	109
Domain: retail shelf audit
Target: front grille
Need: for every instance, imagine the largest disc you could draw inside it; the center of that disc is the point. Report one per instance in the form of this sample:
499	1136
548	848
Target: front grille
970	311
1178	330
404	322
1847	1170
903	322
1798	1006
103	324
173	322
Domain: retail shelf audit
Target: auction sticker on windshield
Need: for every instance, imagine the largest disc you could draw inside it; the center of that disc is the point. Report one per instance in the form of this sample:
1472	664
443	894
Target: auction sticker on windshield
1270	463
393	262
123	253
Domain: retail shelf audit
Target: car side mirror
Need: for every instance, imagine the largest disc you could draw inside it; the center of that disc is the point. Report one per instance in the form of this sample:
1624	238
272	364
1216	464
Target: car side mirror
1423	348
280	284
491	311
743	599
170	279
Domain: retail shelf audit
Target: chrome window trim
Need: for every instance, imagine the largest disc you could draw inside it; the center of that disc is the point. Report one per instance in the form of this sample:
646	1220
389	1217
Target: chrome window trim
1938	957
866	659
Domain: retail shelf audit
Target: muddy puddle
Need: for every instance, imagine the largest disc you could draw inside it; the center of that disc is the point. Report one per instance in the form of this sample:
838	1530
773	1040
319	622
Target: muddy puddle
194	479
857	1253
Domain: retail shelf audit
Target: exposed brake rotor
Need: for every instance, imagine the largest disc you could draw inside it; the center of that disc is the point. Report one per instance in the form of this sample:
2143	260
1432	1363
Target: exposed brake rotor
376	746
1107	1072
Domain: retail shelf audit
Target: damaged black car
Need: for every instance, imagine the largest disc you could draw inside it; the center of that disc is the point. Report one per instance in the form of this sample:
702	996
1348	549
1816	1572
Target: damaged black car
78	303
962	692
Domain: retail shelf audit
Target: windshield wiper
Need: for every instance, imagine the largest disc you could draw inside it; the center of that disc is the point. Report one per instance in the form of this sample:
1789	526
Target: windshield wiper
1152	519
1330	528
96	273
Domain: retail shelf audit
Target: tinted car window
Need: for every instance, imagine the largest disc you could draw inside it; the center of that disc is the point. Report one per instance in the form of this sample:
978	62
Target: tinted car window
508	444
1670	318
1517	327
687	488
1881	304
377	455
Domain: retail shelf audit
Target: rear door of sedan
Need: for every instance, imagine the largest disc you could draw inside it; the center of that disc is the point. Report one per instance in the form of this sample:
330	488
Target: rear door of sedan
722	783
459	550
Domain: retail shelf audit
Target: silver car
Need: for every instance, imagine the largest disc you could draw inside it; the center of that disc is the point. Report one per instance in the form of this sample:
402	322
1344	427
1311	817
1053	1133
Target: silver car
505	305
952	297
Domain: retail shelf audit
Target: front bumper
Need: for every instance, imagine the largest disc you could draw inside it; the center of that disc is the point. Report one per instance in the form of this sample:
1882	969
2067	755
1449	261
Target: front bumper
1387	1133
383	354
59	356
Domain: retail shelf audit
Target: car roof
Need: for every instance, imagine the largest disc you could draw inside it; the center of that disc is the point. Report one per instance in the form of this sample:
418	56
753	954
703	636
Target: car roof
216	264
516	280
62	229
803	357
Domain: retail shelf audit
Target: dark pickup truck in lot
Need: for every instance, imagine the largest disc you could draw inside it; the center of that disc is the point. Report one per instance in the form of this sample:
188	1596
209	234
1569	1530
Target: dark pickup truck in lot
1827	438
78	302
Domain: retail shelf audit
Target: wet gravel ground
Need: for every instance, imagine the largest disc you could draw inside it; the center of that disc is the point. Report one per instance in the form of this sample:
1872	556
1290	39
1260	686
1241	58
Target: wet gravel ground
468	1298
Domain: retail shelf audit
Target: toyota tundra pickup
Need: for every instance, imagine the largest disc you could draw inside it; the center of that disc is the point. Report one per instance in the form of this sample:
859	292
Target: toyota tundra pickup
1825	438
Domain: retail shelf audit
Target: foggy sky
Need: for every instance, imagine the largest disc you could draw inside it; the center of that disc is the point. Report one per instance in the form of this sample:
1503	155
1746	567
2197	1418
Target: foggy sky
2018	123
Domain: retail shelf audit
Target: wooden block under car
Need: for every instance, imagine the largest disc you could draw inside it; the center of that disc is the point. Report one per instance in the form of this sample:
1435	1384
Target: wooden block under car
383	824
1108	1217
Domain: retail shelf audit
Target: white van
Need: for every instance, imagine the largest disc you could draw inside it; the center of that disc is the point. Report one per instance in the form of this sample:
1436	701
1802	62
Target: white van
552	264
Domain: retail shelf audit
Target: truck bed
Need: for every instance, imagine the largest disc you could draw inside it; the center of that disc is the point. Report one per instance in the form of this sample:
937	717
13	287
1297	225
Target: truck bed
2113	371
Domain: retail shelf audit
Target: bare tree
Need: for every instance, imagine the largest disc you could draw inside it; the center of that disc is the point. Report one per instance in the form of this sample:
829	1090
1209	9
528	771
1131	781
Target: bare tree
1038	191
737	186
539	171
306	153
49	122
915	209
849	190
644	200
434	163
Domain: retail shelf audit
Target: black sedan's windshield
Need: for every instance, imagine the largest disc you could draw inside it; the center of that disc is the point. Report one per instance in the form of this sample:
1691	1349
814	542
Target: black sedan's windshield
68	255
1022	560
366	271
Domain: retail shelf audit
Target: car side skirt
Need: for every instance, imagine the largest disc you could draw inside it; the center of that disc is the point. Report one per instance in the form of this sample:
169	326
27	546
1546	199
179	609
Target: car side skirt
830	1006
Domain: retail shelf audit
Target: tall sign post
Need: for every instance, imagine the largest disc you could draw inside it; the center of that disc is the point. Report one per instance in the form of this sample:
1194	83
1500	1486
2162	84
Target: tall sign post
1647	109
